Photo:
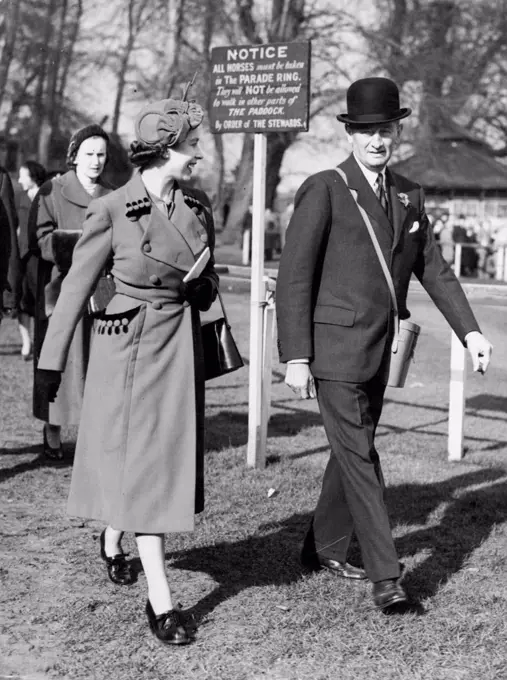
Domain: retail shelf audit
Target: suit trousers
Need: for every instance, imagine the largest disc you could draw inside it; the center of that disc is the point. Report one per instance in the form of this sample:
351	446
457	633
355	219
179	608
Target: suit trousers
352	494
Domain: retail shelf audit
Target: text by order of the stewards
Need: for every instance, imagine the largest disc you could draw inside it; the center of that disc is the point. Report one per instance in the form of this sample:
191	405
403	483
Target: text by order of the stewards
260	88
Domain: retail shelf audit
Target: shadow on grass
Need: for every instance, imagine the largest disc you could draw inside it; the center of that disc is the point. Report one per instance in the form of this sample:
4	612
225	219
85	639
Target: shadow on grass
475	501
487	402
230	429
268	559
39	462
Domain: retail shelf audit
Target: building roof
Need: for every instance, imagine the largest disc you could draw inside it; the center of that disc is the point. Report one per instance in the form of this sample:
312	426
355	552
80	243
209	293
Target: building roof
455	160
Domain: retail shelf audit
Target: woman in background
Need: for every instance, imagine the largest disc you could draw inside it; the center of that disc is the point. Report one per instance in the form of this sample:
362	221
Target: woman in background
56	222
9	252
32	176
139	457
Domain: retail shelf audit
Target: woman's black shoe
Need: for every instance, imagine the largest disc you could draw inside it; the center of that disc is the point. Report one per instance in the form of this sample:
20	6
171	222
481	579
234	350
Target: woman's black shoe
118	570
49	451
168	627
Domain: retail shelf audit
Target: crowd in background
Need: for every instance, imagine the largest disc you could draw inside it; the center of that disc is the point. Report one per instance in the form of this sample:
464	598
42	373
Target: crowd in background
478	244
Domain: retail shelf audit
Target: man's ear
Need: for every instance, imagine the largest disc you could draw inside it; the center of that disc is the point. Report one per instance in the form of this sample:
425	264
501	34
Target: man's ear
399	130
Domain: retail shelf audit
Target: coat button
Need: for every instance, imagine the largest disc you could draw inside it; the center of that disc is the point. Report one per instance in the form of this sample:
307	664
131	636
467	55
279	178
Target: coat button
155	280
147	248
157	305
204	238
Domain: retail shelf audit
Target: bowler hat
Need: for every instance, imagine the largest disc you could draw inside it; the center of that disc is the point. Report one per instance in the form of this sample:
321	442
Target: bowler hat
373	100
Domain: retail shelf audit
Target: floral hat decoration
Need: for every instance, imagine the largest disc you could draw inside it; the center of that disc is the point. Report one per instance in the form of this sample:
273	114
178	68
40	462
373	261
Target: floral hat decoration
168	121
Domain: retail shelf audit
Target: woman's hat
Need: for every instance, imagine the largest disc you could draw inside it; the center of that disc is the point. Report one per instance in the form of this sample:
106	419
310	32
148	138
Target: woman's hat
373	100
79	137
167	121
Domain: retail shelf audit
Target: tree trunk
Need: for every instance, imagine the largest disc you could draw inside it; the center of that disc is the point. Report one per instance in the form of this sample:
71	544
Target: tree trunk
11	30
135	23
42	130
218	175
242	197
277	145
175	10
68	54
120	89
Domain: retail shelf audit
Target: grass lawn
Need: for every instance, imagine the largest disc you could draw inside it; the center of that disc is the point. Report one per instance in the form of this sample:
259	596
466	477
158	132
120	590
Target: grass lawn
238	575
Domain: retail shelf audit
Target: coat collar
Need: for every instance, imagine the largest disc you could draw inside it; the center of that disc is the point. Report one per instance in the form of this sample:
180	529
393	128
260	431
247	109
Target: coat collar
180	246
367	200
74	192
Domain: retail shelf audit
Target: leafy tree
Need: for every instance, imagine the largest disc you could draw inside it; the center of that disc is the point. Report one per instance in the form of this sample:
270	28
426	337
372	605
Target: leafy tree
450	55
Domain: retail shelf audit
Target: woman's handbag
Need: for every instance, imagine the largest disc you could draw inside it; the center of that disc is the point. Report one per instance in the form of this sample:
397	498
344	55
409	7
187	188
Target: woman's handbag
221	354
405	332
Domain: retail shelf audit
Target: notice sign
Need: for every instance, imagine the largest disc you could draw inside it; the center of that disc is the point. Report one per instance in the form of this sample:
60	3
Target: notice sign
260	88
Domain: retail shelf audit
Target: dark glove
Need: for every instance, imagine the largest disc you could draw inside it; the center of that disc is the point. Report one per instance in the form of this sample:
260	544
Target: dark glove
47	383
199	293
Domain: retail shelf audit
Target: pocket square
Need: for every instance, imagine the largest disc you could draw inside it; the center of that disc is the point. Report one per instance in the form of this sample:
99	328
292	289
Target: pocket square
414	227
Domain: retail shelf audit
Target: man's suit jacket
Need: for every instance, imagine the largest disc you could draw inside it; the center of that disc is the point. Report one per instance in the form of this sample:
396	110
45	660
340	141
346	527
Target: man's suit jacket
333	302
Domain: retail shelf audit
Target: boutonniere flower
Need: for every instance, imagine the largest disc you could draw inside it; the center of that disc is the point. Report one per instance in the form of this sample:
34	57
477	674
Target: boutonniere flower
404	200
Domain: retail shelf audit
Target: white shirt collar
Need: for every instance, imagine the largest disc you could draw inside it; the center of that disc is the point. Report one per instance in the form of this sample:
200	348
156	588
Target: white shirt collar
371	176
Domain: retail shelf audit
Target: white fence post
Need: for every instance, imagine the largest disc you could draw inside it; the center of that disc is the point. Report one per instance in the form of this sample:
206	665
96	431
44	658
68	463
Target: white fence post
456	400
457	258
245	253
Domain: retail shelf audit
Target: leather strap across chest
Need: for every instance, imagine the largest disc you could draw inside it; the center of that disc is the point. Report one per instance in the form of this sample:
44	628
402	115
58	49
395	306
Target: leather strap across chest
381	258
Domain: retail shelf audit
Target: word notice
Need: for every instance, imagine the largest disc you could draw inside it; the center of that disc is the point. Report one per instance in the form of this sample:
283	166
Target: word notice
260	88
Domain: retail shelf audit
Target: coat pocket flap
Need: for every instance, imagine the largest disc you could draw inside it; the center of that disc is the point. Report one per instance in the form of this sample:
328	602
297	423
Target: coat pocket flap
338	316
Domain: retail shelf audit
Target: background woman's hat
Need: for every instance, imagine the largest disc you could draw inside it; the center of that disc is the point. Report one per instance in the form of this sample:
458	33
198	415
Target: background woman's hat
373	100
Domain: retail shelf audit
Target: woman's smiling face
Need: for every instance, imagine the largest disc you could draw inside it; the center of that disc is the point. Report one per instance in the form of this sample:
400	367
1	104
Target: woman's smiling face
184	156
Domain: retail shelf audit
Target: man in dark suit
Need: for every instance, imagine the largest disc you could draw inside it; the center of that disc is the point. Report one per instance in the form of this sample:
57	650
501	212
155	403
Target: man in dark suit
336	324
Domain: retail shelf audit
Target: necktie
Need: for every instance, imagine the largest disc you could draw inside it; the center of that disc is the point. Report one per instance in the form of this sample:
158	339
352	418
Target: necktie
381	194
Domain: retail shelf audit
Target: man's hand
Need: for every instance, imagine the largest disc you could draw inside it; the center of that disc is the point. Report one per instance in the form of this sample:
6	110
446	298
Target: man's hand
299	378
480	350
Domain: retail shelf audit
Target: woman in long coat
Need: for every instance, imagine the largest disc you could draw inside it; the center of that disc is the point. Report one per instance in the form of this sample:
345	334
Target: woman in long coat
139	455
55	224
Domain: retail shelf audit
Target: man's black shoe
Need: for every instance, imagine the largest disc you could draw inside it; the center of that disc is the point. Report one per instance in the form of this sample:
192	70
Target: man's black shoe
388	593
343	569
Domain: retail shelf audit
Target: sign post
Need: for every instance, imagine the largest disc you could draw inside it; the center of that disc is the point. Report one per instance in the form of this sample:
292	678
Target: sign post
259	89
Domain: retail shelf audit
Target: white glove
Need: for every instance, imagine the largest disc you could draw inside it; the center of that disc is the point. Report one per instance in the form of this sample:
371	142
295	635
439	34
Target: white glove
480	350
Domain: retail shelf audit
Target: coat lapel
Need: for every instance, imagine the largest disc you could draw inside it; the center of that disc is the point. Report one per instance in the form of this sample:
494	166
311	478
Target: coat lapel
399	211
171	241
367	199
185	220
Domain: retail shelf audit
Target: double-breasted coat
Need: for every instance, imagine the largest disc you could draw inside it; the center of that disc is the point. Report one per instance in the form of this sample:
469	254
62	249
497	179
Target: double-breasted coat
333	302
139	454
59	209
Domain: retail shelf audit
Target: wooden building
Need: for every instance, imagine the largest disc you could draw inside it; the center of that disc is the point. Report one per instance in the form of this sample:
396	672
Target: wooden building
461	176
